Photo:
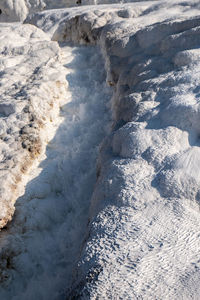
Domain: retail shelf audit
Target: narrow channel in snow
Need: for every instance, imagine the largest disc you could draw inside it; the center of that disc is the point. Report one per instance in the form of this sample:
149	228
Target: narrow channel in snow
41	246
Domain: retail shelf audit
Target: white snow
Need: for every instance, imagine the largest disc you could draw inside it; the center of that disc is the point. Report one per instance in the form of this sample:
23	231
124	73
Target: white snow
132	233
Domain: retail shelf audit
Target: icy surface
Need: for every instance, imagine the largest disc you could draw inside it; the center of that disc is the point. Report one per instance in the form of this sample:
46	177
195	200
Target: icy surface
142	238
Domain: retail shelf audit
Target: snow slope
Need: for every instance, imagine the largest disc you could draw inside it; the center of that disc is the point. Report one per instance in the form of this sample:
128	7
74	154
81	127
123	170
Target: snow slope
142	238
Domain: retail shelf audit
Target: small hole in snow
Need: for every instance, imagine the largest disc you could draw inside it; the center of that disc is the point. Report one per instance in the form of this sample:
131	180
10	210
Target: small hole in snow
0	11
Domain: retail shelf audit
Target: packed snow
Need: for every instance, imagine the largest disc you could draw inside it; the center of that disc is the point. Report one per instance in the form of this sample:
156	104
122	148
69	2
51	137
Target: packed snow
111	209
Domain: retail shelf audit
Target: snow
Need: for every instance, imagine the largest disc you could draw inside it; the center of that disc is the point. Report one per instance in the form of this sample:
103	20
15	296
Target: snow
128	229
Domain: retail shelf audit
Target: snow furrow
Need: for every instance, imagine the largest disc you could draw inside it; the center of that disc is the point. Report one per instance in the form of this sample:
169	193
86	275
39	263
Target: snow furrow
42	244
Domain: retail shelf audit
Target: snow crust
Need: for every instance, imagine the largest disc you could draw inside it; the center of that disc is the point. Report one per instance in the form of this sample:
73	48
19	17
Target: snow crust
142	238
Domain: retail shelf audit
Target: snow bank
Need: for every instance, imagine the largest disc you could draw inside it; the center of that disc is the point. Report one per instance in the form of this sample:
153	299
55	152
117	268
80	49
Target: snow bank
30	89
143	239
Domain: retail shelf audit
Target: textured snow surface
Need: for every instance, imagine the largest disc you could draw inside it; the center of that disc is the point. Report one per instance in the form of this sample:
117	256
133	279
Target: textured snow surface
133	232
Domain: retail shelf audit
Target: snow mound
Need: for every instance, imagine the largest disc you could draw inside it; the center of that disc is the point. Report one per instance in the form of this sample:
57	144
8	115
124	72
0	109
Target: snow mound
30	90
143	239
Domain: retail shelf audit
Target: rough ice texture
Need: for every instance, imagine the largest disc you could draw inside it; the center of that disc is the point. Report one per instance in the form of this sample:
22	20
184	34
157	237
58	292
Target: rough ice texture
143	238
30	86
